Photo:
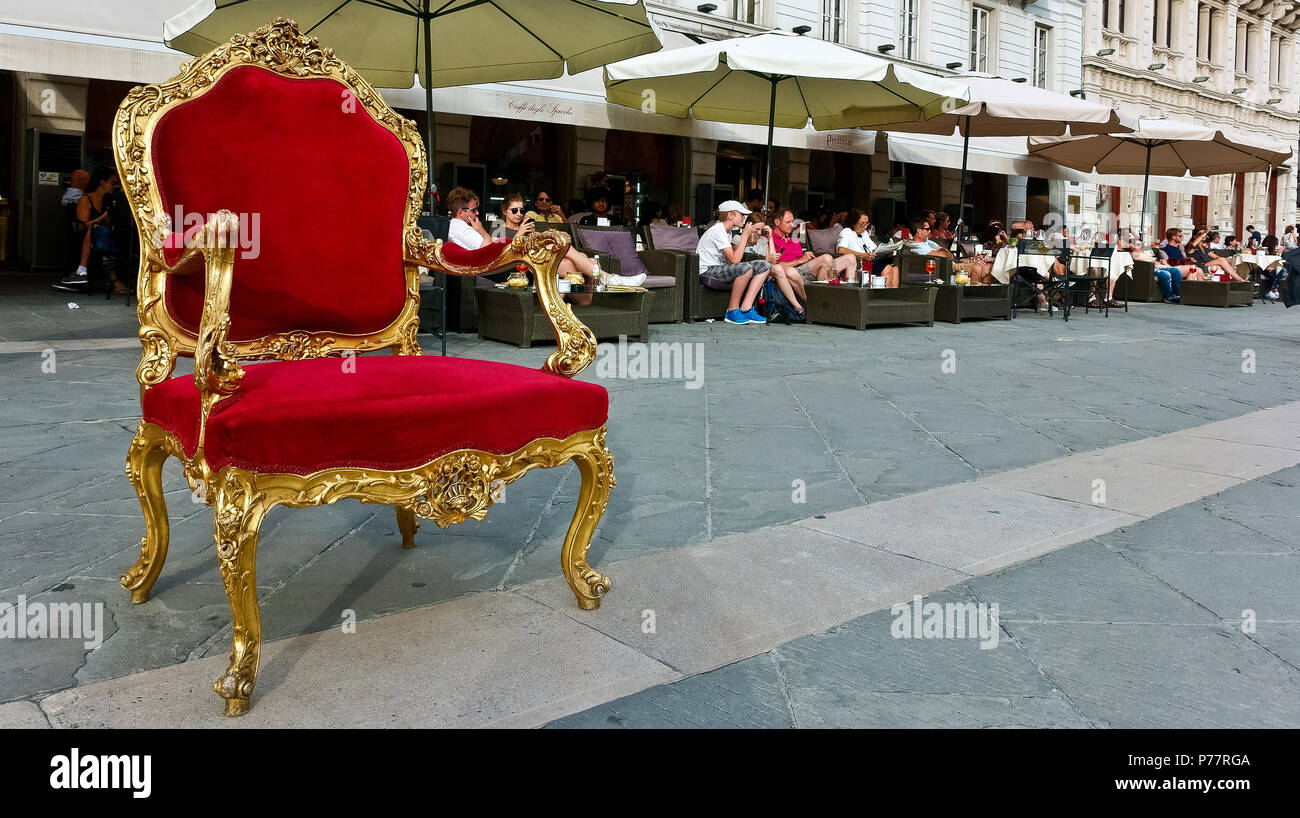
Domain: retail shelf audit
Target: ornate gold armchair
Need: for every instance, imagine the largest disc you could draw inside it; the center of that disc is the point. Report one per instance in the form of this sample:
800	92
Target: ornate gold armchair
276	196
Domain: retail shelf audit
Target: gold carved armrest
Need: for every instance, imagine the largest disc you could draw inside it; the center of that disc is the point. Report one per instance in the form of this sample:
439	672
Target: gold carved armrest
217	372
542	252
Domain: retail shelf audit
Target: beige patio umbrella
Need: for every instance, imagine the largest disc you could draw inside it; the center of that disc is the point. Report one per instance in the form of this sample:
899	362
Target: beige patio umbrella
777	78
1163	147
445	42
1001	107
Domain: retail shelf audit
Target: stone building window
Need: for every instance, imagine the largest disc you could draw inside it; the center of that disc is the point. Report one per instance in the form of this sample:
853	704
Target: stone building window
1114	15
981	39
1042	36
908	25
833	21
1204	33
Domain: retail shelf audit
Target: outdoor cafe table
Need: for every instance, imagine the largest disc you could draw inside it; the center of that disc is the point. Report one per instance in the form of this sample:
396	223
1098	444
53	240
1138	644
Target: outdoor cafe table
1263	261
1007	260
1117	265
1006	263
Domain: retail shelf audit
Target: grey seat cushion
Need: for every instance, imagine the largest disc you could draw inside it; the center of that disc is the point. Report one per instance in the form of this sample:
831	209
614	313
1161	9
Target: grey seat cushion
668	237
618	242
657	282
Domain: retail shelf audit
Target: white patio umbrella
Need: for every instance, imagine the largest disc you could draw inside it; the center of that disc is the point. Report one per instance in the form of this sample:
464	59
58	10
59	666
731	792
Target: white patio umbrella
1001	107
1163	147
781	79
445	42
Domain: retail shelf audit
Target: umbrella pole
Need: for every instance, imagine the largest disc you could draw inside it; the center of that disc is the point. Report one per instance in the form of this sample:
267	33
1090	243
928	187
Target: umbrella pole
771	124
961	197
1146	182
1268	201
428	149
428	101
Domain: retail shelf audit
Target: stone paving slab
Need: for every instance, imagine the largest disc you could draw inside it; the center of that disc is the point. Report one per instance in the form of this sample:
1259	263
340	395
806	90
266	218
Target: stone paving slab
1230	584
738	595
1224	457
972	528
744	694
1136	488
22	716
1118	591
1165	676
486	660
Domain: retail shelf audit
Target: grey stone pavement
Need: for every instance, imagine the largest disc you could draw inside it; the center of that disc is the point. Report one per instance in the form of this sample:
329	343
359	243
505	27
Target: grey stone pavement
1139	628
859	418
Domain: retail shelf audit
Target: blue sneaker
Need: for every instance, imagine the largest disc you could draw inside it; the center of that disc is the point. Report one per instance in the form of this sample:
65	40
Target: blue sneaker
736	317
753	317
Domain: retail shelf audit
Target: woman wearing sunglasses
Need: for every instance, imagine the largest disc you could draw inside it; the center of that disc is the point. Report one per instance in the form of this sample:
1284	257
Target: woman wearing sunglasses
512	218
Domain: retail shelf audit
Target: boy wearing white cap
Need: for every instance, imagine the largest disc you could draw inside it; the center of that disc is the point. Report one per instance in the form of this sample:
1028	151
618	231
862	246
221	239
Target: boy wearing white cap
723	264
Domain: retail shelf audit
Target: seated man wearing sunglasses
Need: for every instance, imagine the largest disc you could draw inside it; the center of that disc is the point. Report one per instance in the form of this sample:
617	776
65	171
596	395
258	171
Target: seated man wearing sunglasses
545	209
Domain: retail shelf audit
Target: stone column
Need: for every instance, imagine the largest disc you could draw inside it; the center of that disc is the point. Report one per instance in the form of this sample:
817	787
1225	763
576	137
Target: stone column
1016	194
796	166
704	163
588	156
450	146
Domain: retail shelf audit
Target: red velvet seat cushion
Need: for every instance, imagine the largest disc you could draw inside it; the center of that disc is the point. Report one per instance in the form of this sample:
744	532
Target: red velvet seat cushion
389	413
486	254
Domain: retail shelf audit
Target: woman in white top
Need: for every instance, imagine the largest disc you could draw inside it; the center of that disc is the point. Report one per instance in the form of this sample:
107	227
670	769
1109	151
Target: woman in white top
1289	241
854	241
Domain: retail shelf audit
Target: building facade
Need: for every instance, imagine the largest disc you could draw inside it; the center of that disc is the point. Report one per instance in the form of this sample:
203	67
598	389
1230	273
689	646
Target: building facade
1212	62
64	66
1034	42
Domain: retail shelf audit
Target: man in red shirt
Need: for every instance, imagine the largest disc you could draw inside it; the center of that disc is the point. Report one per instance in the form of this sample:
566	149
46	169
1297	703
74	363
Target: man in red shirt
808	266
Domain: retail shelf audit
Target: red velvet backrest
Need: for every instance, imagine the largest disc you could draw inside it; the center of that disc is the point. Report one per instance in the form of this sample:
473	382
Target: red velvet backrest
321	191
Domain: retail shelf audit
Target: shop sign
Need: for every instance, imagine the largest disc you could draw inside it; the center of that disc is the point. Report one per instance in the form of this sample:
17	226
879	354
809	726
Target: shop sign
540	109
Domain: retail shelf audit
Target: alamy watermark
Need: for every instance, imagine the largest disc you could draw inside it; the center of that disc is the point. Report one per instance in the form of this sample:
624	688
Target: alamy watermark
75	771
950	620
53	620
182	222
657	361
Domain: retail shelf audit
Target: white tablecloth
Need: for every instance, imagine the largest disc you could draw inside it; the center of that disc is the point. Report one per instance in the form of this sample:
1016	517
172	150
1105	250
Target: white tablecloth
1118	264
1262	261
1007	261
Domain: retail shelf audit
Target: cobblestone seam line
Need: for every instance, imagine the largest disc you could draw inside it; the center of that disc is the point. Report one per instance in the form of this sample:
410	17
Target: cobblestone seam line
775	655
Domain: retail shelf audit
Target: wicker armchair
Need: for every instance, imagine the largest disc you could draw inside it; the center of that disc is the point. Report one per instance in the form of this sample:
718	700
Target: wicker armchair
1141	286
911	268
682	241
666	276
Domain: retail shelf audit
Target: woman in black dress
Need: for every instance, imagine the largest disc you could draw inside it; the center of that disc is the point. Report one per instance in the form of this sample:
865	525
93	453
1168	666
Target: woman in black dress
92	212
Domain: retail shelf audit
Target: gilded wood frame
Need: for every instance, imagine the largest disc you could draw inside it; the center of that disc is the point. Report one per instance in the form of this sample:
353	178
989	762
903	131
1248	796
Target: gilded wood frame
450	489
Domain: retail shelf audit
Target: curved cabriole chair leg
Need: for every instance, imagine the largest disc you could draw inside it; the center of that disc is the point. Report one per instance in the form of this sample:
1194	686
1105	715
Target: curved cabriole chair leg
596	465
408	525
239	512
144	462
